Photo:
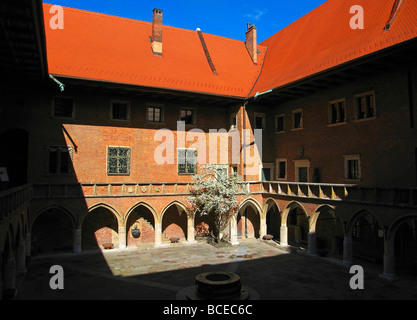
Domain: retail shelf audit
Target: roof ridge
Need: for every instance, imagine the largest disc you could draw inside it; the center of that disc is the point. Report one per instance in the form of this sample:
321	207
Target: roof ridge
139	21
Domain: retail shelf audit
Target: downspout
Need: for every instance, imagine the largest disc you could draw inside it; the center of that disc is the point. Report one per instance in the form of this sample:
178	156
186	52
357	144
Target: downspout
60	84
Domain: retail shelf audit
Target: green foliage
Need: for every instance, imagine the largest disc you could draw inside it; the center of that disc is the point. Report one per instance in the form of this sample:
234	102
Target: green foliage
215	193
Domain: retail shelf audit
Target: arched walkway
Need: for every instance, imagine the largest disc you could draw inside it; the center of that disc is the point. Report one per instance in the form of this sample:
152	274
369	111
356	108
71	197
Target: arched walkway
294	225
273	219
99	226
248	220
175	221
400	256
142	217
364	240
328	232
52	231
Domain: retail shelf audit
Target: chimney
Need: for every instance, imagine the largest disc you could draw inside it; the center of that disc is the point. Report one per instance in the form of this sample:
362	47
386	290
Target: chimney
251	44
157	32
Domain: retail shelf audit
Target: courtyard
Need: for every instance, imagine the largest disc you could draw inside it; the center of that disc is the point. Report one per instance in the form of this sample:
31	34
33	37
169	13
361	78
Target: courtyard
140	273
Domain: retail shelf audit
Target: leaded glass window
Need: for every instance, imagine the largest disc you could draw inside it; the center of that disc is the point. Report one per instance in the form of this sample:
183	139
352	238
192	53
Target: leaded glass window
118	160
187	161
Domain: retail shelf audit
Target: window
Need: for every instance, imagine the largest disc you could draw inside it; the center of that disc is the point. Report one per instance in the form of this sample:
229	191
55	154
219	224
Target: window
280	123
233	120
59	159
120	110
259	120
154	114
297	119
188	116
64	108
118	160
365	105
302	168
187	161
221	170
352	167
267	172
234	170
337	111
282	169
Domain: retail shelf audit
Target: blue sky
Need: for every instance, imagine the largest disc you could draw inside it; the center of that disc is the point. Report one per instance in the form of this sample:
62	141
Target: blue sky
224	18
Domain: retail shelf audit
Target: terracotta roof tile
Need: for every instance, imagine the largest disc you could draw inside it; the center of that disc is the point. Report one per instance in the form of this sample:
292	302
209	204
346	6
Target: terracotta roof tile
323	39
108	48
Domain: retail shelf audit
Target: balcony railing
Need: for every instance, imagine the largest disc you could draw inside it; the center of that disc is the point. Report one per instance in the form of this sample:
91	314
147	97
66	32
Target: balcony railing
403	197
11	200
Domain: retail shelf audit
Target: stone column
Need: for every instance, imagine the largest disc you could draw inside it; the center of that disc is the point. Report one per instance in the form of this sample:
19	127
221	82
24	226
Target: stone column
347	251
21	258
312	244
233	231
122	237
158	233
28	244
389	260
283	235
77	240
9	285
263	228
190	231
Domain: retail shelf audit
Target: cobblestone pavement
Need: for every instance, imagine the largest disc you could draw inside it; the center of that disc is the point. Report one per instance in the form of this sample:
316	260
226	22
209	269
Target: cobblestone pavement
160	273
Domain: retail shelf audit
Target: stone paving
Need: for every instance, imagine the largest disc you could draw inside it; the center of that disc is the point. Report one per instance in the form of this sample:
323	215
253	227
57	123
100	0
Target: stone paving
160	273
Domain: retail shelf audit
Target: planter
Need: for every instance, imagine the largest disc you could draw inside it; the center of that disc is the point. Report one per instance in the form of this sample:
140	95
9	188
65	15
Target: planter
135	233
268	237
323	252
108	246
174	239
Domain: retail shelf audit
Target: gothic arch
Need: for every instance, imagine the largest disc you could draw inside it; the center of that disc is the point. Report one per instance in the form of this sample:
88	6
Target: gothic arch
49	207
137	205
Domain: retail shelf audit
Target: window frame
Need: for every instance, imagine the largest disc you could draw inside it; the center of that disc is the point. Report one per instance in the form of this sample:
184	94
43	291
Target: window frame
283	122
277	162
154	105
60	149
295	111
356	107
128	164
305	163
330	112
63	97
352	157
262	116
186	162
113	102
194	115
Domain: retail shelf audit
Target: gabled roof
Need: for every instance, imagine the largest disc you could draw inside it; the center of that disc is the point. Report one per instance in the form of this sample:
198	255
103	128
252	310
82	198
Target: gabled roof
113	49
323	39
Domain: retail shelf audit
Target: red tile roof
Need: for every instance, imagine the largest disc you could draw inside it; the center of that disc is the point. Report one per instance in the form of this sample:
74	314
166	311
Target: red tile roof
323	39
108	48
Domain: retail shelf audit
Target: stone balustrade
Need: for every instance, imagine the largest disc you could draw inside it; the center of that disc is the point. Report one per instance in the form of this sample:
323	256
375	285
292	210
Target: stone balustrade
399	197
11	200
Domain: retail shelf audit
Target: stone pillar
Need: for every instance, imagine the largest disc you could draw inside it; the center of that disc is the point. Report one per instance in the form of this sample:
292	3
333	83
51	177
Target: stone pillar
263	228
190	231
158	233
9	285
312	243
21	258
122	237
347	251
389	260
77	240
283	235
28	244
233	231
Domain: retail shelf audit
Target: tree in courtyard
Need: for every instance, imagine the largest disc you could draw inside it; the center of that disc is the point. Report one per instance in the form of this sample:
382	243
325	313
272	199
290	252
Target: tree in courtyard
215	193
